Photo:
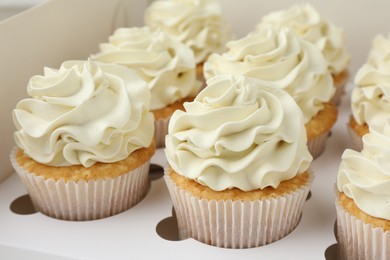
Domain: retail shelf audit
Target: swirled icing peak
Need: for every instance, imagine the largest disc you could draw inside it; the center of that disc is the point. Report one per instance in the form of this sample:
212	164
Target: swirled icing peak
83	113
168	66
282	59
306	21
370	100
196	23
238	132
365	176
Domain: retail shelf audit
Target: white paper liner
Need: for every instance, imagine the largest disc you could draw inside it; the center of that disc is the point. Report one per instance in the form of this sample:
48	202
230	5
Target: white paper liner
356	139
236	224
316	145
358	240
84	200
161	130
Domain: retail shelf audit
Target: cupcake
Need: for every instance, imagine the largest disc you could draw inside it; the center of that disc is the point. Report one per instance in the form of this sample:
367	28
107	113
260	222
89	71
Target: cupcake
306	21
84	140
362	200
196	23
287	62
370	100
168	67
238	164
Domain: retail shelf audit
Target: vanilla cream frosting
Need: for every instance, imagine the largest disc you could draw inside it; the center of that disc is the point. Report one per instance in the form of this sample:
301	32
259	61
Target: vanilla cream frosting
196	23
370	100
238	132
282	59
84	112
168	66
305	21
380	48
365	176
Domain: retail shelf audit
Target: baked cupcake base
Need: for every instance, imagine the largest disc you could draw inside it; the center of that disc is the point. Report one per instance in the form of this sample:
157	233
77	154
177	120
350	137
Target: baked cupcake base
356	133
339	81
161	120
79	193
359	235
234	218
318	129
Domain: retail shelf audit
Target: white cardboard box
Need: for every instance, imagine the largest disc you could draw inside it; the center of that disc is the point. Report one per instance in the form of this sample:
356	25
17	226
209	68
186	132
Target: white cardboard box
59	30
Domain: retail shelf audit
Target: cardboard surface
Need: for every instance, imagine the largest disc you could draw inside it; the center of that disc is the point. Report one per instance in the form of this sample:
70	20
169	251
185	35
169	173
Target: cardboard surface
58	30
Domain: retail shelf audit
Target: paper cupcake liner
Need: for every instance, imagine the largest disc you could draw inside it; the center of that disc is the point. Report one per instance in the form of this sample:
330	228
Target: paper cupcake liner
84	200
236	224
316	145
356	139
358	240
161	130
340	90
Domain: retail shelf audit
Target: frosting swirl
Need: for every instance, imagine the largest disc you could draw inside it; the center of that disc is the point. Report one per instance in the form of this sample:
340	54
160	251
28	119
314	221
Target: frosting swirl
370	101
166	65
305	21
238	132
365	176
379	49
84	113
282	59
196	23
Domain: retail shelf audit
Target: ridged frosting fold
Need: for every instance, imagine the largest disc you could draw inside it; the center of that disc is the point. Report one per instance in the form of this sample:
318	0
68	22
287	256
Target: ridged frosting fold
365	176
380	48
284	61
84	112
196	23
238	132
307	22
370	100
167	65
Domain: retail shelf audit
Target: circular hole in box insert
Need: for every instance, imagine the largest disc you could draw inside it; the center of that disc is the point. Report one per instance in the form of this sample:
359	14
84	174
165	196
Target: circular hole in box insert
22	205
167	228
308	196
155	172
331	251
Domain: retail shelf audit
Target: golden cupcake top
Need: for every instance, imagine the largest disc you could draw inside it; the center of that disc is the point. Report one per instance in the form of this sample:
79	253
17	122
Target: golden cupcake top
84	112
238	133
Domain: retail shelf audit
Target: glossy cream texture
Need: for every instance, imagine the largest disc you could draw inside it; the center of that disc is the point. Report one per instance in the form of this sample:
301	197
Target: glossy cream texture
284	61
305	21
238	133
196	23
84	113
166	65
365	176
370	100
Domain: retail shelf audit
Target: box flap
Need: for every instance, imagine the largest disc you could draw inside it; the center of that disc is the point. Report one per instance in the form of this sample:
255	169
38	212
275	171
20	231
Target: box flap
47	35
